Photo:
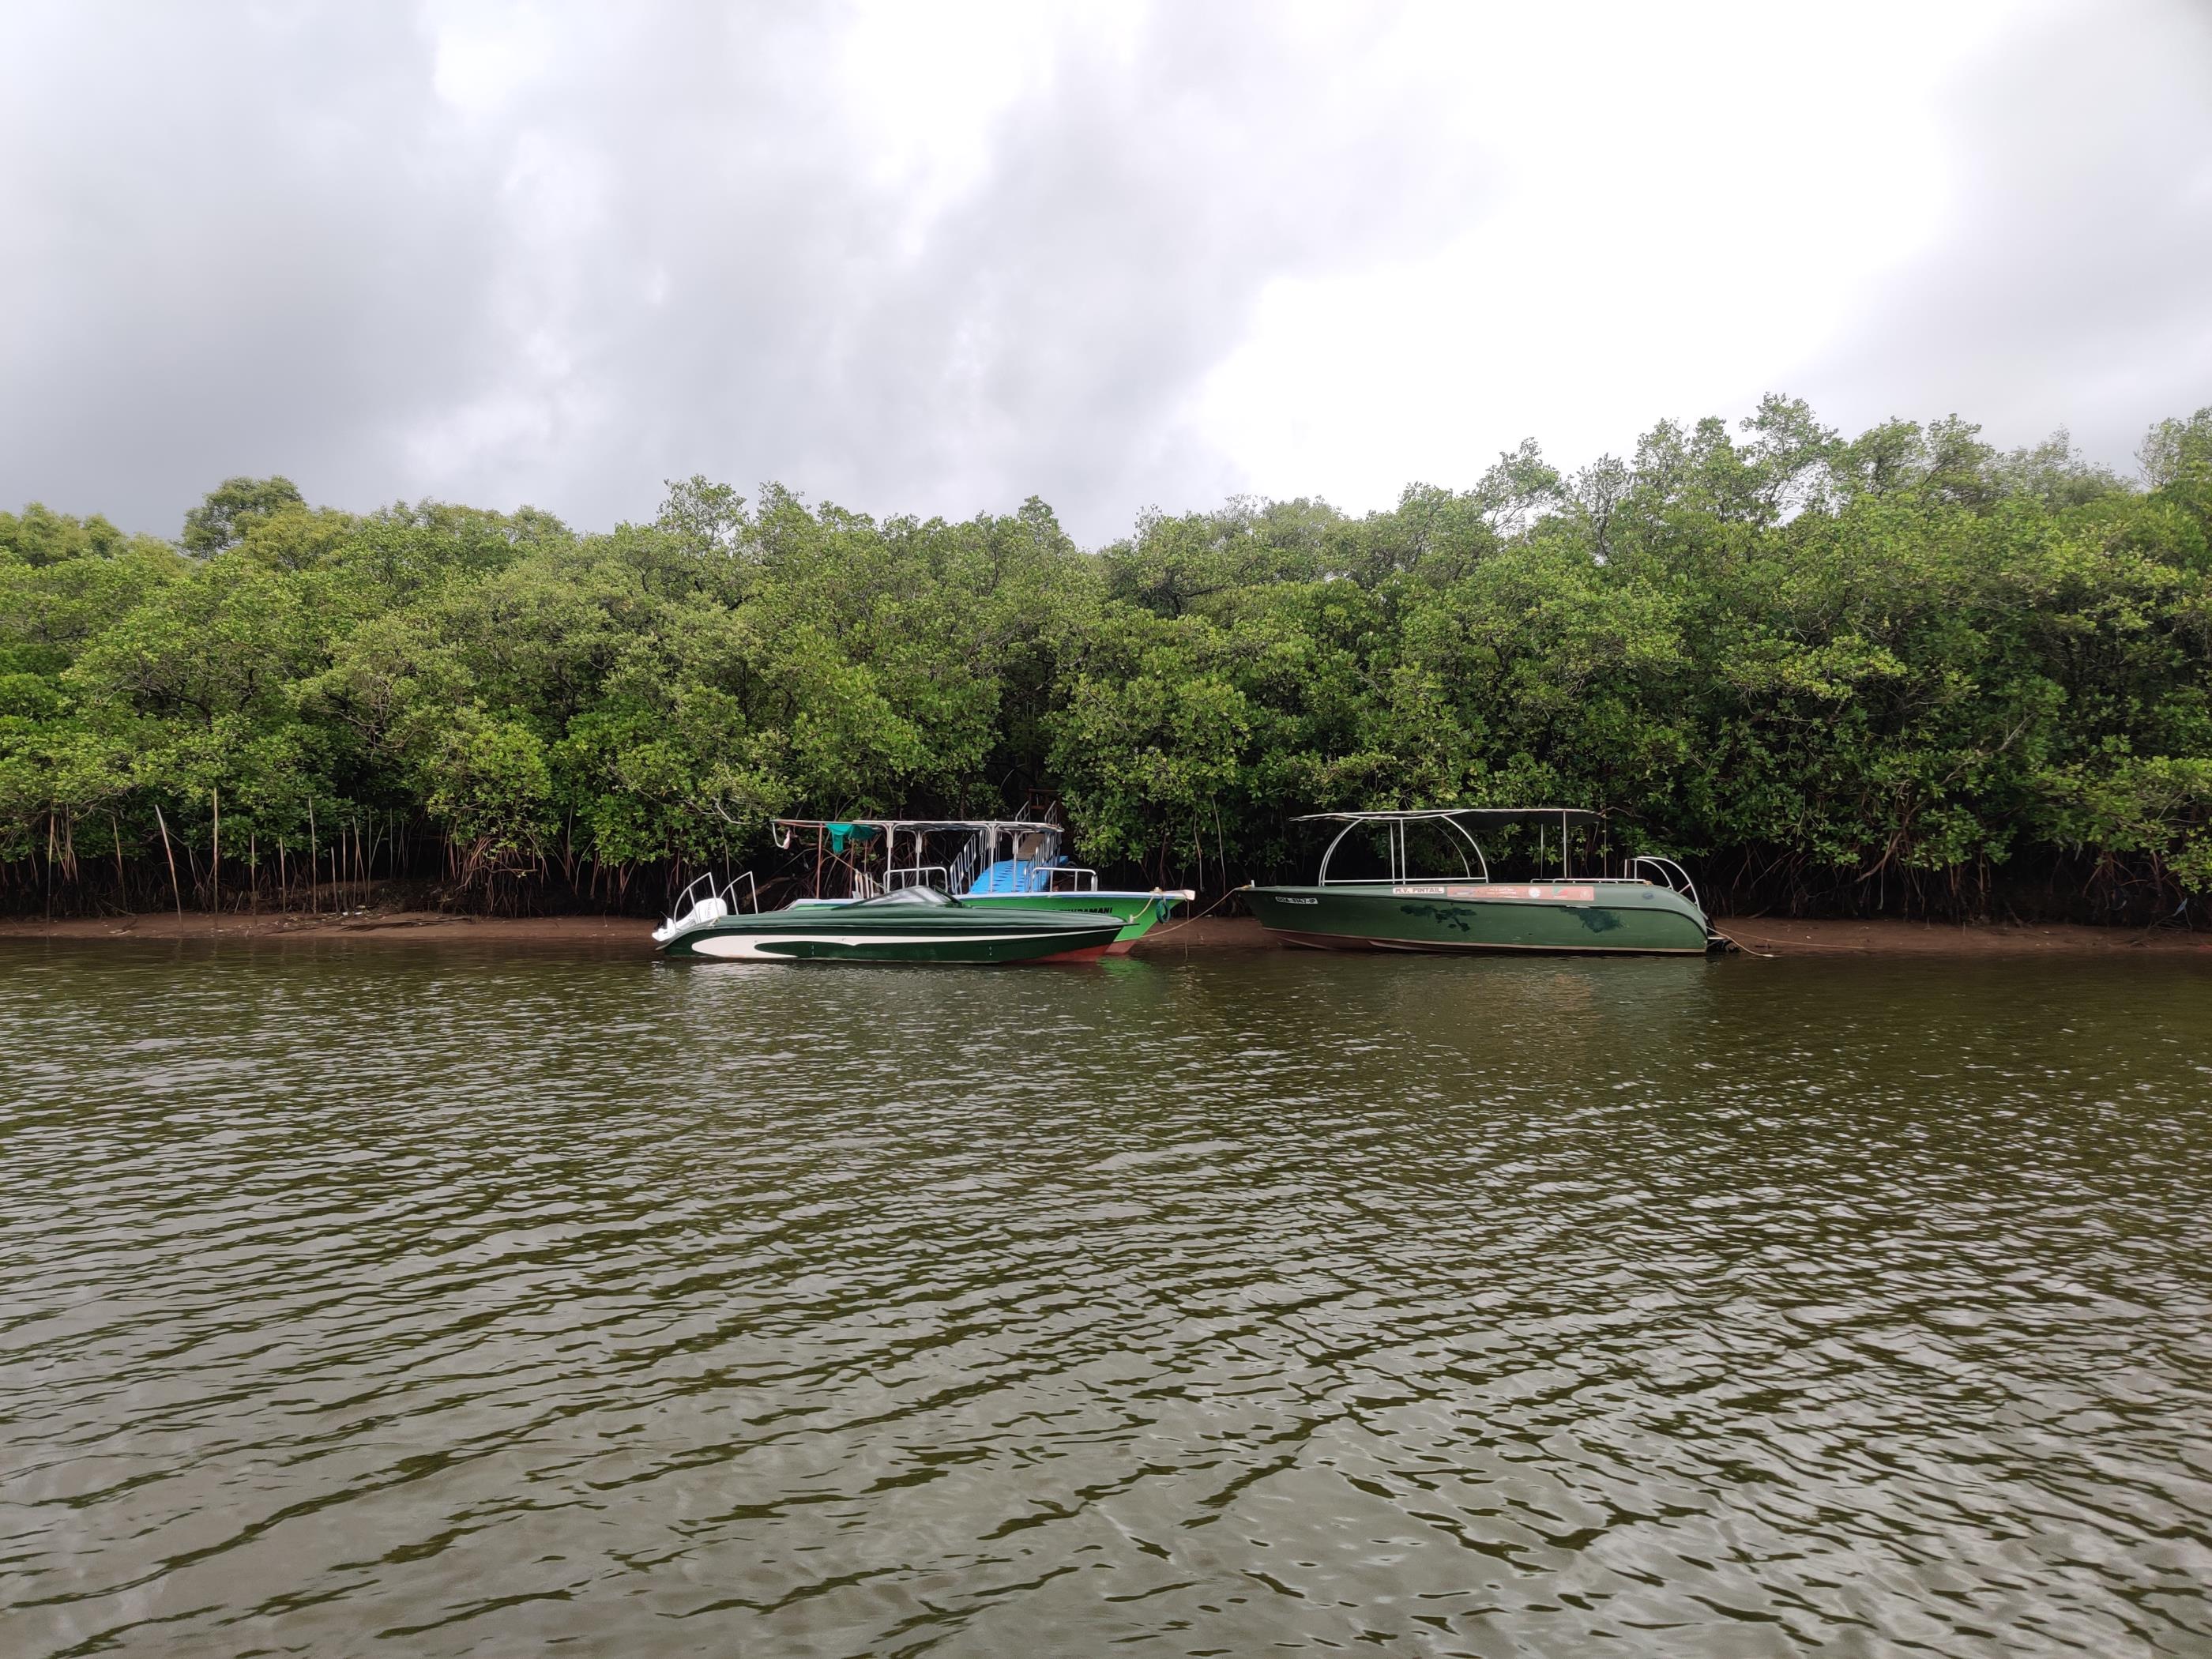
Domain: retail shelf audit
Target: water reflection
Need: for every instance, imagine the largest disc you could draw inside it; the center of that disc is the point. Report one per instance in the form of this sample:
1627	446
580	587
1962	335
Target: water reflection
433	1301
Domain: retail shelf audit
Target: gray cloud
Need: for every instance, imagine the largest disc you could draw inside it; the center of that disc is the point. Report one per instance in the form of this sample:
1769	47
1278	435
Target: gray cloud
223	260
261	245
243	239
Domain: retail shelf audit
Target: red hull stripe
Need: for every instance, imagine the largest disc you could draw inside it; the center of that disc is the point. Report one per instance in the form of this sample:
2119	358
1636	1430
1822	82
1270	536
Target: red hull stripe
1091	954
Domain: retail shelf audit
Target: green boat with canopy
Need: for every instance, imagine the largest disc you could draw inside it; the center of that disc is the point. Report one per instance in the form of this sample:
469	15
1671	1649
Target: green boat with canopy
915	889
915	924
986	864
1416	901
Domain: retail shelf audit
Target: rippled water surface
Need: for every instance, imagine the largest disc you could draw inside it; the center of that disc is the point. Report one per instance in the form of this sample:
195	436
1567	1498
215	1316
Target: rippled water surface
402	1300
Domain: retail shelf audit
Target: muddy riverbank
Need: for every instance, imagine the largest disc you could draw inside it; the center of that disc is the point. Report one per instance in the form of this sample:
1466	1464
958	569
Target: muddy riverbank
1770	936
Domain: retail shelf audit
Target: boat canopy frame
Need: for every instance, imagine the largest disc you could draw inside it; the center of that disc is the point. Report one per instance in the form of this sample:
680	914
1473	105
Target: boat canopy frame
988	831
1395	833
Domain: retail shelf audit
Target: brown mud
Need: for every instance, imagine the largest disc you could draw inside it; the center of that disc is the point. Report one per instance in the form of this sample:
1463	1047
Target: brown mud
1762	935
367	926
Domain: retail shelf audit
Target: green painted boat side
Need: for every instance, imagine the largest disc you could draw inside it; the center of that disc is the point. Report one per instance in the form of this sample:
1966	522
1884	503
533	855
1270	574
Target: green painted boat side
1137	913
1564	916
941	933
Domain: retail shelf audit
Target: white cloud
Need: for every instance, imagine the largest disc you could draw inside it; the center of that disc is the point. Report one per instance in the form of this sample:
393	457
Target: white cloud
1688	212
484	54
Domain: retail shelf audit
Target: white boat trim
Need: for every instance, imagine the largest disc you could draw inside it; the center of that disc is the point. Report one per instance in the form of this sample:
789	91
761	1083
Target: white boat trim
754	947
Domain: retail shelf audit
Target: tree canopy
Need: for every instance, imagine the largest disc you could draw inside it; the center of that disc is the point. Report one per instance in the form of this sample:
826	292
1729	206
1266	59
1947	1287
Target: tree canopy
1899	671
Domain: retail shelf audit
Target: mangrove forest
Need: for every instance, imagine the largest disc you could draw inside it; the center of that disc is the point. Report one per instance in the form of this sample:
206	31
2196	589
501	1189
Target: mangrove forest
1904	672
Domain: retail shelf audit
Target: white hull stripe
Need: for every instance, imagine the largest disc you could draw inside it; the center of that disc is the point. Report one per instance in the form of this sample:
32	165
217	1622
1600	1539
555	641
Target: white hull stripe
757	944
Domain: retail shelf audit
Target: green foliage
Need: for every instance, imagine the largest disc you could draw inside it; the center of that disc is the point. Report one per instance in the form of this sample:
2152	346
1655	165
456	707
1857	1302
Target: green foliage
1859	673
233	508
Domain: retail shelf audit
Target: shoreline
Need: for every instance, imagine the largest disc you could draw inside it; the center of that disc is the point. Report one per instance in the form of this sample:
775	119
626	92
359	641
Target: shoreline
1764	936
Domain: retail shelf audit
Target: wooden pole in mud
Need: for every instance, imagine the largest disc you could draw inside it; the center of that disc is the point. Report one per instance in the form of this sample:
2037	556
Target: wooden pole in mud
315	867
214	863
170	852
122	887
284	887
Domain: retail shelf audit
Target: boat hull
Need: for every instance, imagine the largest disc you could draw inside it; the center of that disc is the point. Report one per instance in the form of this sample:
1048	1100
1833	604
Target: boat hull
819	934
1135	914
1566	918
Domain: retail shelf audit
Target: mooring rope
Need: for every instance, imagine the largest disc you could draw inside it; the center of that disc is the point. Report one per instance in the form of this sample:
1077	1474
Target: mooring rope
1734	944
1162	933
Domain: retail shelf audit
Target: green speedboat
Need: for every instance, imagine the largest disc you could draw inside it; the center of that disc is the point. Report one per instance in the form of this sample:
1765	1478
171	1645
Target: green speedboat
1652	909
989	864
915	924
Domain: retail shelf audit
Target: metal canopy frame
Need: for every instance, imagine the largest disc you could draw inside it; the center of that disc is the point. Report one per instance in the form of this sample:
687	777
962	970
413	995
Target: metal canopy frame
1576	814
1394	839
991	829
1045	826
1396	821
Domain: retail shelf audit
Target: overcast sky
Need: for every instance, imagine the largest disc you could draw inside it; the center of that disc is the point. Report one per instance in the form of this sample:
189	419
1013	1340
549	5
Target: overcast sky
936	259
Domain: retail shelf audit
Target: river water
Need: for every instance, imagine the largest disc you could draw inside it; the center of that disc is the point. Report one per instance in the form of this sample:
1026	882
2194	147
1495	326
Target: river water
407	1300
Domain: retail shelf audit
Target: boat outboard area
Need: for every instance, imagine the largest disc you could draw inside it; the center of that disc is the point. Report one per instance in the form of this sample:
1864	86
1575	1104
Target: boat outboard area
1425	885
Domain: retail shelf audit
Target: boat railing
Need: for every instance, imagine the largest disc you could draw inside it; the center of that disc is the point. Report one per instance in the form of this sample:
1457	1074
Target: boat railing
965	865
918	875
714	899
716	889
1080	880
1665	872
